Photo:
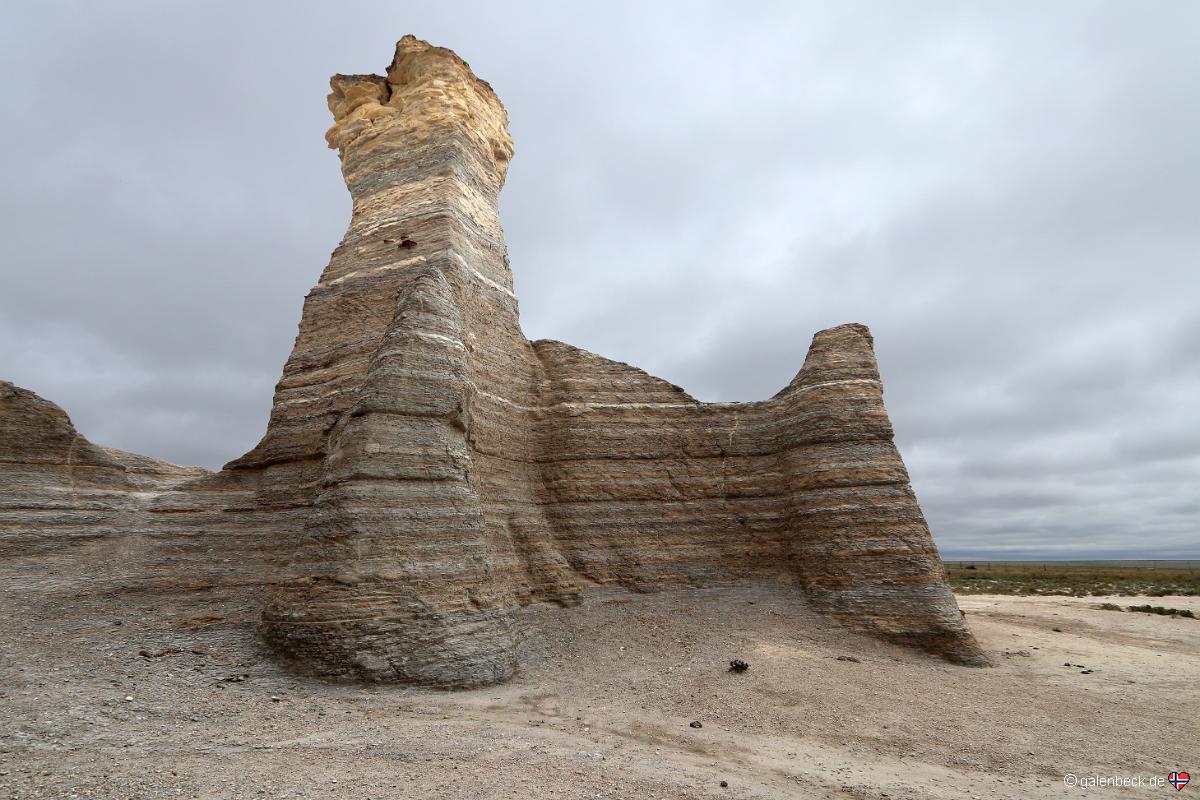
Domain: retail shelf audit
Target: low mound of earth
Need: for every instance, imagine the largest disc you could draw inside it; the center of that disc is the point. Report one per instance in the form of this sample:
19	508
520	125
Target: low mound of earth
170	695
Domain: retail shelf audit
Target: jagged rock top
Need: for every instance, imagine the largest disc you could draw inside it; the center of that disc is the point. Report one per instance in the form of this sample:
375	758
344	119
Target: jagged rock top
426	90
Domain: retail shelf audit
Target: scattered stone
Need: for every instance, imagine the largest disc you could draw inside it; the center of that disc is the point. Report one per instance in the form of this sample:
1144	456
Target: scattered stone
850	658
166	651
724	784
695	724
737	665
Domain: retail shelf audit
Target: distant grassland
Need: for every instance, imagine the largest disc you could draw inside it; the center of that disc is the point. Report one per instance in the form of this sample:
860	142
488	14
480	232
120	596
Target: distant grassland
1072	580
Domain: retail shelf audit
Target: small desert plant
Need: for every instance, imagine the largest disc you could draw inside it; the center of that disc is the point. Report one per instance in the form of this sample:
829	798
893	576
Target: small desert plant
1110	607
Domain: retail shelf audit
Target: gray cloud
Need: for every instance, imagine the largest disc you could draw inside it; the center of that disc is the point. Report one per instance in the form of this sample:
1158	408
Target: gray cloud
1006	195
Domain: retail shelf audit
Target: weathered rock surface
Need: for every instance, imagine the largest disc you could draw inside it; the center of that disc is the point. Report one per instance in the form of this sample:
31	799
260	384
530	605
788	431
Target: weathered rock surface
427	471
58	489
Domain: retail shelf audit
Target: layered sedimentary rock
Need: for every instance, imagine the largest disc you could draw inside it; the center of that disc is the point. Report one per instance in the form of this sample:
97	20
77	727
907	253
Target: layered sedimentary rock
58	489
427	471
83	520
460	471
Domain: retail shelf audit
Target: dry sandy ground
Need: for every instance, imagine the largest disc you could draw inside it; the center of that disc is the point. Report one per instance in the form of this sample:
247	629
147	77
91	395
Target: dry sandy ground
603	710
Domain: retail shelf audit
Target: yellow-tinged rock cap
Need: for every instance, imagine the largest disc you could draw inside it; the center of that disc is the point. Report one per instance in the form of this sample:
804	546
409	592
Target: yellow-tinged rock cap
426	90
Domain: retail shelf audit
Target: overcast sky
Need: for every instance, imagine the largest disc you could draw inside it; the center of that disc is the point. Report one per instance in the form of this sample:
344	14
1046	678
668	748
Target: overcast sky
1006	193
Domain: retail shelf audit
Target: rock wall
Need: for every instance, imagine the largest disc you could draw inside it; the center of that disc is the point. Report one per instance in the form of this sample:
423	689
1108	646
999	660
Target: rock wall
57	489
83	520
427	471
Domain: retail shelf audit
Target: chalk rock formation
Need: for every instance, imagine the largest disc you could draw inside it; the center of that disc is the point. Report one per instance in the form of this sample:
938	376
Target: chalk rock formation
427	471
459	471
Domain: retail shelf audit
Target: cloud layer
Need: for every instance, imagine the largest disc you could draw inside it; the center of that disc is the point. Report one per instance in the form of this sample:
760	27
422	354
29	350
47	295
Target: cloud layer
1007	195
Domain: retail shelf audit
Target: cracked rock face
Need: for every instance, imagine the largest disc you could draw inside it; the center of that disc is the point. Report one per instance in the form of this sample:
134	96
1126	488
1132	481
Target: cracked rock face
427	471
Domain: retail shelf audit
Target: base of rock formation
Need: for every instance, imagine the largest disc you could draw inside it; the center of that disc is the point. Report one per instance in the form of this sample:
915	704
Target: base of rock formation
599	709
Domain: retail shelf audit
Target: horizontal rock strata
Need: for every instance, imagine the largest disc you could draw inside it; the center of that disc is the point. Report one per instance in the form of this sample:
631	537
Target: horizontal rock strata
80	519
57	488
460	471
427	471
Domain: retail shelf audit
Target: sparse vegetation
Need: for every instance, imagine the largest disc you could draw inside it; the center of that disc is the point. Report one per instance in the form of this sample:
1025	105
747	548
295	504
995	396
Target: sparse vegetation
1149	609
1072	581
1167	612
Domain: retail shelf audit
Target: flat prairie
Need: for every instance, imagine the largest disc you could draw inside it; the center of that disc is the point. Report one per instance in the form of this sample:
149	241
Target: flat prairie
171	695
1077	580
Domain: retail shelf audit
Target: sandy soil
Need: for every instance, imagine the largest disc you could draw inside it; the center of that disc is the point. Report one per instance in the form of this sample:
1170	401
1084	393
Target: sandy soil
604	708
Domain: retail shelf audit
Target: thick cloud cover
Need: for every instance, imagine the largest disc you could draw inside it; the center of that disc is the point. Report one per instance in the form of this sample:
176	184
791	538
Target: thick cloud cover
1006	193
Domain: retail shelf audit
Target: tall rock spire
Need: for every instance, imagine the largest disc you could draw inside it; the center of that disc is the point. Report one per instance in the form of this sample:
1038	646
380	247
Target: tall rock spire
424	153
405	409
456	472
